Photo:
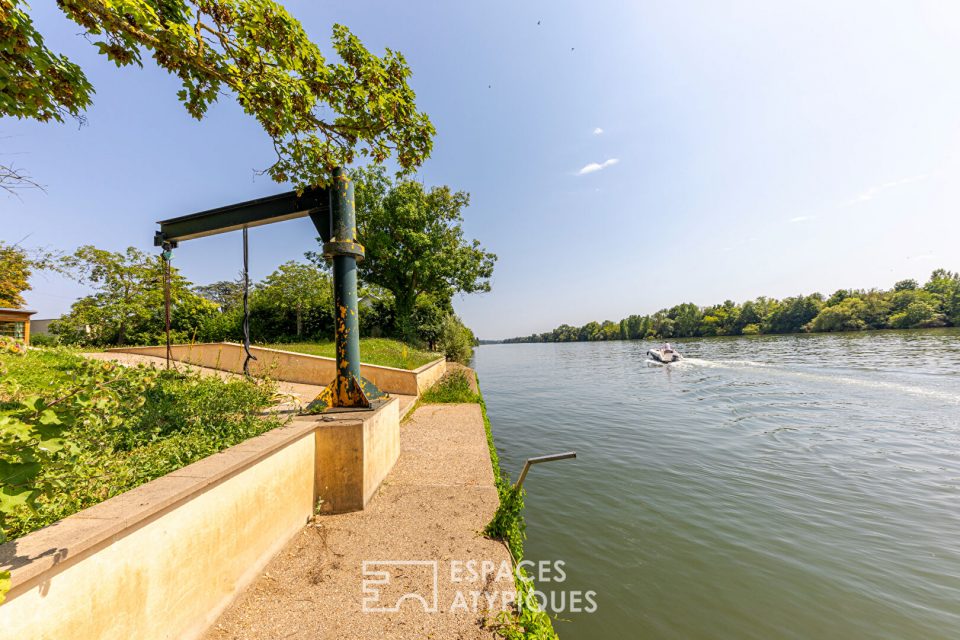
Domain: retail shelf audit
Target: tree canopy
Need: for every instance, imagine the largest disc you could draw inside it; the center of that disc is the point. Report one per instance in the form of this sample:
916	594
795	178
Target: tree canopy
14	275
17	264
319	114
127	305
905	306
415	243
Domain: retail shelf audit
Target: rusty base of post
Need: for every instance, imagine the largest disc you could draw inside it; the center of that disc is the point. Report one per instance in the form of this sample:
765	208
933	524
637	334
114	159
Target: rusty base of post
346	392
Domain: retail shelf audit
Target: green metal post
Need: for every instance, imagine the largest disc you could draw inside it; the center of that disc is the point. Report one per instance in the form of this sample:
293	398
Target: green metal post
343	217
349	389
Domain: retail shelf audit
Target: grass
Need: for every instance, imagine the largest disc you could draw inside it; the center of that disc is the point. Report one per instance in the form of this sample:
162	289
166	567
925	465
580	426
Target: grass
123	426
526	621
380	351
453	388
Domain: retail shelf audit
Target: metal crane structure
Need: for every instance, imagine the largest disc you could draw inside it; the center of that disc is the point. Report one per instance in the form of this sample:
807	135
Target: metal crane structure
333	214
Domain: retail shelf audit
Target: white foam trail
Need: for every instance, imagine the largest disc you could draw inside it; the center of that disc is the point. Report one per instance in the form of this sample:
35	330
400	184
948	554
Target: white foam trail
859	382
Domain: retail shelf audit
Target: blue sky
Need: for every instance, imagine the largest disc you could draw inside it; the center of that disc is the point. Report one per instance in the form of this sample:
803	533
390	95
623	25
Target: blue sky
621	156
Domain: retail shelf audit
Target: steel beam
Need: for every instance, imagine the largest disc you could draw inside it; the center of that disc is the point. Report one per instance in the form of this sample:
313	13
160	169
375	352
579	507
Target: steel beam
284	206
332	211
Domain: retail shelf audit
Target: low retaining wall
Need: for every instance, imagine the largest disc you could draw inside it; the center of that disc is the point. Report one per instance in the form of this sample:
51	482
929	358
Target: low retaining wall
164	559
295	367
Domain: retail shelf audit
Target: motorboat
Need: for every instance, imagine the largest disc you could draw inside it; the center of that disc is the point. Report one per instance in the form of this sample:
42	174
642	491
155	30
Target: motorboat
665	355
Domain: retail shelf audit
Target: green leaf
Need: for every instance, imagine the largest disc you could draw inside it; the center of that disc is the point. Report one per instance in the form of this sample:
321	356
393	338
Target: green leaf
17	473
4	585
11	499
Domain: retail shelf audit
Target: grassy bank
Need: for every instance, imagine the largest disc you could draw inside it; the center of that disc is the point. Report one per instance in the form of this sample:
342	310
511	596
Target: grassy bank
507	525
380	351
74	432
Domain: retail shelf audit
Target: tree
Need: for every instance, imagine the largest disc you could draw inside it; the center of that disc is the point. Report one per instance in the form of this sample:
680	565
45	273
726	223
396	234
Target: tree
846	315
917	314
456	340
16	266
15	272
906	285
904	306
294	288
415	244
319	114
686	318
127	305
226	294
793	314
946	286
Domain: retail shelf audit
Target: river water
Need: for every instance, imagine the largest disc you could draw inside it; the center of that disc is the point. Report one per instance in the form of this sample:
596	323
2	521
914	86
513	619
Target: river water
766	487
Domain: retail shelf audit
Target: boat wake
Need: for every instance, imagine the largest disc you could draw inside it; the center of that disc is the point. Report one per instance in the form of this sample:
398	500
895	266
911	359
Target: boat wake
883	385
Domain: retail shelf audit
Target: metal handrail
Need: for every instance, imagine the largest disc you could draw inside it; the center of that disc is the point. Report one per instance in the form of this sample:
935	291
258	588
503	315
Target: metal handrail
532	461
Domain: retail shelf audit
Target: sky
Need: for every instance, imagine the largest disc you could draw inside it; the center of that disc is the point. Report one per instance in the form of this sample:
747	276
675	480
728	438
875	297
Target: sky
621	157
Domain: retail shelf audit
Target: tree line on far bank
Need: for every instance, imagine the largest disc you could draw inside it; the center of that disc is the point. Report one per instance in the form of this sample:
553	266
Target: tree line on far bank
417	259
908	305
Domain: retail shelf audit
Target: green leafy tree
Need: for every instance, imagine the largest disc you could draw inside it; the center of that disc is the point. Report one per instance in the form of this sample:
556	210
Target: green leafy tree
294	289
905	306
319	114
793	314
127	303
456	340
946	286
415	243
846	315
226	294
15	269
919	314
906	285
16	266
686	319
589	331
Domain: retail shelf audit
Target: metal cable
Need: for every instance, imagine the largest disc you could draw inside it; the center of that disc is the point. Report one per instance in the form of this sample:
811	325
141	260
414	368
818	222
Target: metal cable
246	307
167	255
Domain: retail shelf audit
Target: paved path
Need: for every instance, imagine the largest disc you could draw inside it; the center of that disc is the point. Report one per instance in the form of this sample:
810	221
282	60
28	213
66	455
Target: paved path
294	395
430	509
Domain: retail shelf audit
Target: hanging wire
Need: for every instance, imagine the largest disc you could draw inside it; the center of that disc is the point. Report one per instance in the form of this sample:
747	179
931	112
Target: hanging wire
246	307
167	255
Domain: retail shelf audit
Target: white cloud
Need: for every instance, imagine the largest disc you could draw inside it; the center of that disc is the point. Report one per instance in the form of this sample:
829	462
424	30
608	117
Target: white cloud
801	219
593	166
872	192
597	131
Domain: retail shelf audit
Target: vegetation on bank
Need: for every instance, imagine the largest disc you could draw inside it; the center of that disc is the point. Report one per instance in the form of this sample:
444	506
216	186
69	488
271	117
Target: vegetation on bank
906	306
294	304
525	622
74	432
380	351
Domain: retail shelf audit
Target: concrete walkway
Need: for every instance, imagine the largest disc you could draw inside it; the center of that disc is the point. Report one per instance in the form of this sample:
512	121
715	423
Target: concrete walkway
421	530
293	395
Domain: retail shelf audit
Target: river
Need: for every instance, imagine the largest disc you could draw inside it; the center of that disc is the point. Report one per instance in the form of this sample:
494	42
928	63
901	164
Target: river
766	487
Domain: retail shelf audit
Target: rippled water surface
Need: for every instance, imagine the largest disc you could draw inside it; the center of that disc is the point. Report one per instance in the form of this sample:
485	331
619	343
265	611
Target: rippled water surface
767	487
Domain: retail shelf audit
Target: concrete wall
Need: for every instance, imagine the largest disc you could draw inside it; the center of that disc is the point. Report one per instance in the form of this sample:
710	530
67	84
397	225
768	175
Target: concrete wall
164	559
296	367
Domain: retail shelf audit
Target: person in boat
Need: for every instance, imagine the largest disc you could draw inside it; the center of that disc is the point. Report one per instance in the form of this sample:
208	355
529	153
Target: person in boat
667	349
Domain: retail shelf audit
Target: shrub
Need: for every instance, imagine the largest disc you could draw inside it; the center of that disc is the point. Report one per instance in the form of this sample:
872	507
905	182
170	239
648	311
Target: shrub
44	340
456	340
74	432
751	330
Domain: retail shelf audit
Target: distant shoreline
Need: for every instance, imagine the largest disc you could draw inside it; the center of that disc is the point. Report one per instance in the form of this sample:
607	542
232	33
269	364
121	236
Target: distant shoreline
907	305
759	335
